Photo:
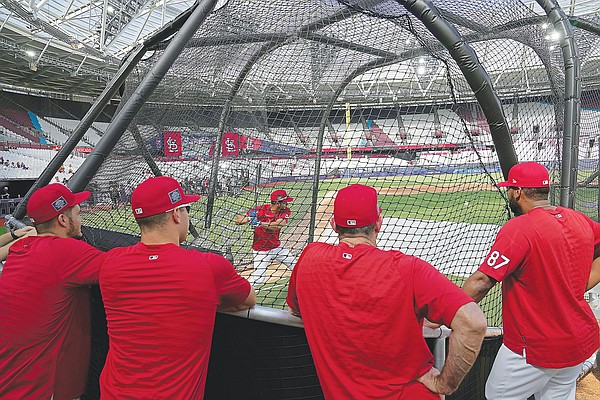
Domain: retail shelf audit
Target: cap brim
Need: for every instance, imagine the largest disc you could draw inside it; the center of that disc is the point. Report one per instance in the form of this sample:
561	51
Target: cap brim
190	198
289	199
80	197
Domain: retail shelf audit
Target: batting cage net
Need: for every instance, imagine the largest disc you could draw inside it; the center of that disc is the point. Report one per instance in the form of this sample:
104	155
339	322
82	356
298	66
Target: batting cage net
310	97
300	99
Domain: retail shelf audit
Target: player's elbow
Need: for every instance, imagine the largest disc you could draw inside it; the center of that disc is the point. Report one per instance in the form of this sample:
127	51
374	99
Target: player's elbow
251	299
470	320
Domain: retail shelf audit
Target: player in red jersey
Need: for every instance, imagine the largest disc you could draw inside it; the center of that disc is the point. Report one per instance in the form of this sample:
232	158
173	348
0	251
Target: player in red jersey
45	312
544	259
267	221
363	311
161	300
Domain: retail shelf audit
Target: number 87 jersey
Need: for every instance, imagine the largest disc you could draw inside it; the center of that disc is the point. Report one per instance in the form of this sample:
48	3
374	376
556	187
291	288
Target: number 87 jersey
544	259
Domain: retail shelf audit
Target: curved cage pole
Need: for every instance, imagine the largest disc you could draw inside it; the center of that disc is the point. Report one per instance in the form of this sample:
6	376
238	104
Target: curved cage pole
380	62
474	73
210	203
103	99
572	97
145	89
275	41
79	131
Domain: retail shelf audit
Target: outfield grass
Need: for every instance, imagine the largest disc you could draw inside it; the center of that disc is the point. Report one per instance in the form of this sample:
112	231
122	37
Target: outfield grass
477	206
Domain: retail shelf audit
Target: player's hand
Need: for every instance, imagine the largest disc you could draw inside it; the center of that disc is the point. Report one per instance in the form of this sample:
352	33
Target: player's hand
432	325
431	379
25	231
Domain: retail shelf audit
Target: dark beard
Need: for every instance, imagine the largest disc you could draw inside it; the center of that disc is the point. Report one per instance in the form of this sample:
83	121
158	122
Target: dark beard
73	232
515	207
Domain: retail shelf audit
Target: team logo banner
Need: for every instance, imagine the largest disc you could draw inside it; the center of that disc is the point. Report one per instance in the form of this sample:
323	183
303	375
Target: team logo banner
230	146
172	144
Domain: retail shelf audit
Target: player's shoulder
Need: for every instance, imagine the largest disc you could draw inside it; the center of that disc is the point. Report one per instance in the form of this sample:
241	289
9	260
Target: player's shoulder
67	243
317	248
520	223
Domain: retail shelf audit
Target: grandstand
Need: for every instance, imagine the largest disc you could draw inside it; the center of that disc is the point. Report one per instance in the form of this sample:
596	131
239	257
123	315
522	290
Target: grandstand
308	97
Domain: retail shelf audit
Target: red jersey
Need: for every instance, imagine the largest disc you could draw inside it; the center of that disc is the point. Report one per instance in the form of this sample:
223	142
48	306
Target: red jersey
363	311
161	303
544	259
266	239
45	317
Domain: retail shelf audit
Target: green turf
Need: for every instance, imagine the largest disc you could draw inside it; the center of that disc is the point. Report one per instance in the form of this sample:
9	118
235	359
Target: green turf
478	206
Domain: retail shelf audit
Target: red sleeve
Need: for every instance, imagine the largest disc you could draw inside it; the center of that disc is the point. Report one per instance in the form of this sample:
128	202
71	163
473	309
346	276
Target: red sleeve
507	252
596	231
285	214
232	288
436	297
80	262
292	296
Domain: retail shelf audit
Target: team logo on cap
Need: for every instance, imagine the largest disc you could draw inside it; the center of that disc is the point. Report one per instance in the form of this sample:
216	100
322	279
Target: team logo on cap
59	203
544	182
138	211
174	196
351	222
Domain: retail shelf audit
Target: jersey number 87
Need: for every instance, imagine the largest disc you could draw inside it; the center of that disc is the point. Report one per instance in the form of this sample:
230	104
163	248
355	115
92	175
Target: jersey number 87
495	257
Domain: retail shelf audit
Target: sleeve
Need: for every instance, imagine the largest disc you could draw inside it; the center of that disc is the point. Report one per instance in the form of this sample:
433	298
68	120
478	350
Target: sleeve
292	296
596	231
79	262
231	287
507	252
436	297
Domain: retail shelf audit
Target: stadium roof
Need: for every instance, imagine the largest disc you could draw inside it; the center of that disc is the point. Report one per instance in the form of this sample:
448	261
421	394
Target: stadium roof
75	46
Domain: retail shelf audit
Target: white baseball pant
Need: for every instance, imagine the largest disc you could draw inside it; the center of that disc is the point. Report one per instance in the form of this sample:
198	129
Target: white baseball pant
512	378
262	259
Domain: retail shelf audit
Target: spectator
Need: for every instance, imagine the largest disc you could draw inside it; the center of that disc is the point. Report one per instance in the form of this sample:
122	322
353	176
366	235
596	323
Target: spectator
45	329
164	349
5	193
267	221
363	311
544	259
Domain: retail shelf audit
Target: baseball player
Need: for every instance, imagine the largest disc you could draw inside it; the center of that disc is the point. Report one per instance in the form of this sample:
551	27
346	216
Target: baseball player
363	311
45	312
161	301
544	259
267	221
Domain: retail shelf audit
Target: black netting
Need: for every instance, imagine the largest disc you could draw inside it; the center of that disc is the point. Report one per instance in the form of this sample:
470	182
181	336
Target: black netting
312	96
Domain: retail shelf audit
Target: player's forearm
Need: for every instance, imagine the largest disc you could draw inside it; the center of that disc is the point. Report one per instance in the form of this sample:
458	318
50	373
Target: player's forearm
273	225
594	275
478	285
468	331
248	303
240	220
5	239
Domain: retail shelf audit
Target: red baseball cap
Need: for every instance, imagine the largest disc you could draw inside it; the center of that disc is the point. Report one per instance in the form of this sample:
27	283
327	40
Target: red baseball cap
281	195
157	195
52	200
528	175
356	206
